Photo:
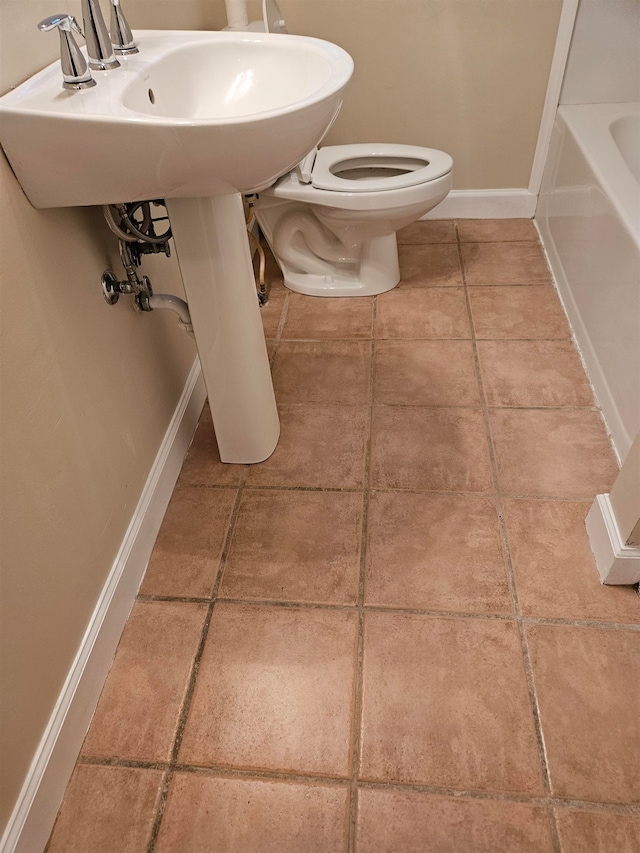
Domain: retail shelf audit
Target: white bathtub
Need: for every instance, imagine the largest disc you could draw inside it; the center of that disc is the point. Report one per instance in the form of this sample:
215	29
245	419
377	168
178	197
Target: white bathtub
589	219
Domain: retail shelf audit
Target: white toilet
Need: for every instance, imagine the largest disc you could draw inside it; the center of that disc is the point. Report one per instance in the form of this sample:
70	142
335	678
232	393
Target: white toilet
331	223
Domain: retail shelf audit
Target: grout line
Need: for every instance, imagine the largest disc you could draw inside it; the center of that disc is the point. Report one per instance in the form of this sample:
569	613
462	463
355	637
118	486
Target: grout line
258	487
401	610
589	805
587	498
177	599
353	340
186	704
481	338
494	408
522	340
381	405
227	772
511	284
314	404
283	319
288	605
109	761
356	726
502	796
533	698
212	486
582	623
584	498
230	532
250	487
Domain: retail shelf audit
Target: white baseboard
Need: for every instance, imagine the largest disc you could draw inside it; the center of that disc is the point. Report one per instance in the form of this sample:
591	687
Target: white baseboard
34	814
486	204
617	563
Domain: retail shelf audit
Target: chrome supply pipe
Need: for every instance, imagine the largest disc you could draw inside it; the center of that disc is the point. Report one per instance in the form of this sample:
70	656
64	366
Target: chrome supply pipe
96	35
121	36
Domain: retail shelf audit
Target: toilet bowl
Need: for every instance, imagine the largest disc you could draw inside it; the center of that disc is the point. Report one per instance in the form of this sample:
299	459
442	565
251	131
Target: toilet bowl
331	222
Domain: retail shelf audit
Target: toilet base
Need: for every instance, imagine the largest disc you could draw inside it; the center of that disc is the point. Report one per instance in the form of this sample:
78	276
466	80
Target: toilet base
377	271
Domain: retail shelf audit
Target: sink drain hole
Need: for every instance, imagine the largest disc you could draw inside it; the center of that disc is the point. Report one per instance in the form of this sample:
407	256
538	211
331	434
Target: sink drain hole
152	97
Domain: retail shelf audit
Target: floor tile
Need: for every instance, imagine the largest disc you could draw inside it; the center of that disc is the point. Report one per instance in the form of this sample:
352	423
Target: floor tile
430	450
203	467
296	546
512	313
425	265
186	556
107	809
556	575
428	231
533	374
411	822
320	446
322	372
206	813
504	263
425	373
431	312
317	317
598	832
588	686
555	453
422	551
496	230
137	715
275	691
434	709
445	701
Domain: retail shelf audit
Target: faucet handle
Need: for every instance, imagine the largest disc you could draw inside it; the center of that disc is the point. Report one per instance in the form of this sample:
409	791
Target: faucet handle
63	22
75	72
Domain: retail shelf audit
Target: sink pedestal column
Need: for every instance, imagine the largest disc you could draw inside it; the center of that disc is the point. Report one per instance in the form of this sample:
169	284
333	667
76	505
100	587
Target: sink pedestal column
213	253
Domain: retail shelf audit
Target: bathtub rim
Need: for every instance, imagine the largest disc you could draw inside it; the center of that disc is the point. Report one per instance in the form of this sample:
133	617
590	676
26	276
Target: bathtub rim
589	125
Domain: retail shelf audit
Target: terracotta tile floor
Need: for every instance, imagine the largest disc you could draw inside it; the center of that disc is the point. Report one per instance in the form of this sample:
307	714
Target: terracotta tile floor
390	636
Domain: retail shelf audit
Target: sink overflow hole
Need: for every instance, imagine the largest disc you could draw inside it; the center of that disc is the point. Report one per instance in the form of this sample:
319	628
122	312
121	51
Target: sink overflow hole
152	97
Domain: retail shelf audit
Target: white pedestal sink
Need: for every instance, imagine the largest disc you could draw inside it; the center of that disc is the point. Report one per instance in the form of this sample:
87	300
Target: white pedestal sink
215	264
195	118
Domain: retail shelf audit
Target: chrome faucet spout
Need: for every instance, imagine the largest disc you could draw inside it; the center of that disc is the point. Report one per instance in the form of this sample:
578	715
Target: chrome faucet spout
96	34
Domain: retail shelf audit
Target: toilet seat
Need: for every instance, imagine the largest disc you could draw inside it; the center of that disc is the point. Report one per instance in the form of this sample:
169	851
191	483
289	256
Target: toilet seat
372	167
331	222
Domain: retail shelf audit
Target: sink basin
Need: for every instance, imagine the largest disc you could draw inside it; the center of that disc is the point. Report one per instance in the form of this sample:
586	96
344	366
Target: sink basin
194	114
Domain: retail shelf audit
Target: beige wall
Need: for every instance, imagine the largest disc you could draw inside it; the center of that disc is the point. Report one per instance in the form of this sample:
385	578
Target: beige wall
467	76
87	392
